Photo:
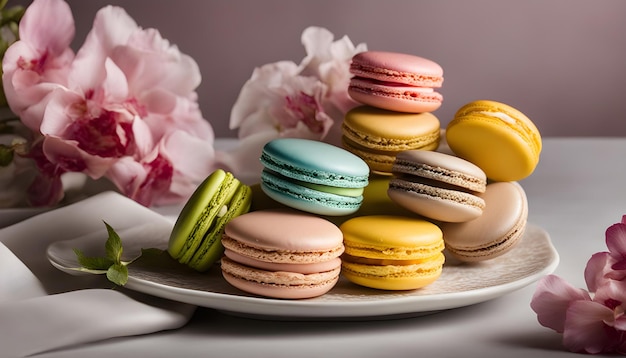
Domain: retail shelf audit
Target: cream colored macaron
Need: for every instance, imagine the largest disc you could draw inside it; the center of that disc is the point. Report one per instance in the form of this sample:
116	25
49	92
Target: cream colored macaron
496	231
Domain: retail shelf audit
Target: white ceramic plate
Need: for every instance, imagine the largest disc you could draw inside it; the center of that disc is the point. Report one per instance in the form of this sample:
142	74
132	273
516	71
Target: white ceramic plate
459	285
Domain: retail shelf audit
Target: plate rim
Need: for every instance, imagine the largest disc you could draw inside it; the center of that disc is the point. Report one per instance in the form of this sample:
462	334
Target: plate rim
272	308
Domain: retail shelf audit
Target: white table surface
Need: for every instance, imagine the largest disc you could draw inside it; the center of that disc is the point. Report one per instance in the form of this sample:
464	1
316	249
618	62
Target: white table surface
577	191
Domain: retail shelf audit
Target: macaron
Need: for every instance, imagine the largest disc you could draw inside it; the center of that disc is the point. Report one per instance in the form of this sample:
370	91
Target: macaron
195	239
496	231
282	254
438	186
497	137
396	81
392	252
313	176
377	135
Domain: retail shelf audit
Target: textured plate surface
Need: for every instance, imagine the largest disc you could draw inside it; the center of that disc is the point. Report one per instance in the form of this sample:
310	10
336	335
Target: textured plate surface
459	285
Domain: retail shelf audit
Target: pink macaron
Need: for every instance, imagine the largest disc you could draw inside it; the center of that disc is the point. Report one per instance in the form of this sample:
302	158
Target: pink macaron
396	81
282	254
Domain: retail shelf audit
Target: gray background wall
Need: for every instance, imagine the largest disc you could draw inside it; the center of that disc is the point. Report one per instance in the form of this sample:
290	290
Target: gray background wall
562	62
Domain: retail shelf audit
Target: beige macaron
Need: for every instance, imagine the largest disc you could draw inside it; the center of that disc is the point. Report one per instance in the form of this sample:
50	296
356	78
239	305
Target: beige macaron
496	231
438	186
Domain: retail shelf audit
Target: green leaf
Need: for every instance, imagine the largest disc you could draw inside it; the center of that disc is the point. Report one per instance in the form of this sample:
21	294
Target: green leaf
92	263
113	245
118	274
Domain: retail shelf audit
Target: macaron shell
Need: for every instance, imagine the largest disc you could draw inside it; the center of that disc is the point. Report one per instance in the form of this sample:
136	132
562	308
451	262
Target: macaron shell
391	237
496	137
496	231
442	168
285	230
435	203
398	68
308	161
193	210
195	238
390	131
212	249
395	277
285	285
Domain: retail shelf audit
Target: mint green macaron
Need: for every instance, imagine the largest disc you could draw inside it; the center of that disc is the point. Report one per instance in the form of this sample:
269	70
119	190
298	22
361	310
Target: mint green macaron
313	176
195	239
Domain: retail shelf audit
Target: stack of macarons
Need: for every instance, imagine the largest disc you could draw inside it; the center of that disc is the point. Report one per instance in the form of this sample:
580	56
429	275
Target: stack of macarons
505	144
285	254
397	93
318	212
472	192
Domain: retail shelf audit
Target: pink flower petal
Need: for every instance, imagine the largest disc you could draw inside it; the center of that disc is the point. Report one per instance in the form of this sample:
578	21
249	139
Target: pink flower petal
551	300
127	175
616	240
585	330
70	157
595	271
150	61
192	156
48	25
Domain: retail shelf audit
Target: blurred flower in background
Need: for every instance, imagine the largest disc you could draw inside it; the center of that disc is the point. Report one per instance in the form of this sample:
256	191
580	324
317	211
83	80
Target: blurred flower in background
15	172
9	21
285	99
123	107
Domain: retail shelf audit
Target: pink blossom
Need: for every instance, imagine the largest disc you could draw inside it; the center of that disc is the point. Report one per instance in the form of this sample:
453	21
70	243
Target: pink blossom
588	325
123	107
283	99
39	62
329	61
167	175
552	299
609	264
591	323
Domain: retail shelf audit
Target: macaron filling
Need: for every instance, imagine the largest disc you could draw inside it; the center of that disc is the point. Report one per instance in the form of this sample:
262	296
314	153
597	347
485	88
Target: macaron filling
280	187
342	191
438	176
424	187
391	89
371	141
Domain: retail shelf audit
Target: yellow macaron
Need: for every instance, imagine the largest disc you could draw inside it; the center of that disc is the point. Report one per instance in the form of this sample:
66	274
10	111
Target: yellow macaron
392	252
496	137
378	135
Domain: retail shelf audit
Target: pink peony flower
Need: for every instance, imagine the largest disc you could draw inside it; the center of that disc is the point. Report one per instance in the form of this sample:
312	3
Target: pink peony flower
154	180
329	61
123	107
39	62
283	99
589	323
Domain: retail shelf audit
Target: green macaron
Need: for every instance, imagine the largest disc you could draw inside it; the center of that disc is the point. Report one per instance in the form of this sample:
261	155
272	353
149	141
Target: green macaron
196	237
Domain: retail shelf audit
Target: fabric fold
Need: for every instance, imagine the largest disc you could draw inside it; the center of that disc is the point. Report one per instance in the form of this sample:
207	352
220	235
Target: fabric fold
43	309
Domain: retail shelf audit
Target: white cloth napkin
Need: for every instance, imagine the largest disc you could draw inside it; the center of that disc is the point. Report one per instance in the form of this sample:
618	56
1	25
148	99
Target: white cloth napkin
42	308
